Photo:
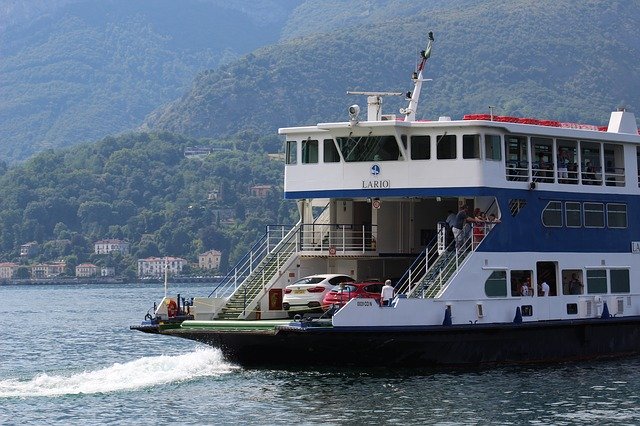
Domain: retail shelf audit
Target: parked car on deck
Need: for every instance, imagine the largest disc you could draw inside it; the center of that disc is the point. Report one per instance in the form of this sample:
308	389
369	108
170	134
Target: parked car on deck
341	294
306	294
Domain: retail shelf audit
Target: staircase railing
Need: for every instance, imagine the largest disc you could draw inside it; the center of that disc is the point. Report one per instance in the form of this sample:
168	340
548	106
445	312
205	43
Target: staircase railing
274	236
435	267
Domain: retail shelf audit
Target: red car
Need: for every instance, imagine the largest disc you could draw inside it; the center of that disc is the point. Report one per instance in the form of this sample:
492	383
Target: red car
341	294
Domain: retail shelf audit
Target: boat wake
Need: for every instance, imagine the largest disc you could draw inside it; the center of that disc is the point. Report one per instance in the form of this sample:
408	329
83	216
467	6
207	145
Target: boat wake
141	373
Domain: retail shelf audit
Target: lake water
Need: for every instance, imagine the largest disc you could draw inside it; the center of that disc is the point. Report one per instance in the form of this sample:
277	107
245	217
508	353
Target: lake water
68	357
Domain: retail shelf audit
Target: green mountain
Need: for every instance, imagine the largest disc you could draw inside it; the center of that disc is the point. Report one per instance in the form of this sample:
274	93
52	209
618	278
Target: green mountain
546	59
78	70
142	188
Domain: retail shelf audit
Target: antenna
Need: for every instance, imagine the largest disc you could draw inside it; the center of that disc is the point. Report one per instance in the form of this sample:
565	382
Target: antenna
410	111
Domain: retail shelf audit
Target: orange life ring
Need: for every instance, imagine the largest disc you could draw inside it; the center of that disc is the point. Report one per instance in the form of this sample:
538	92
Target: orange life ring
172	309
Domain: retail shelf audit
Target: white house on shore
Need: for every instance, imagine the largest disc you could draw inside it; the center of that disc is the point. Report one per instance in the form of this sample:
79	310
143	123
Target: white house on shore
155	266
210	259
86	270
110	245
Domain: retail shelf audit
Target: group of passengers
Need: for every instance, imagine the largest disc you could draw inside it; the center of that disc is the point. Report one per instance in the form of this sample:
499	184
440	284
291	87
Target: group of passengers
464	223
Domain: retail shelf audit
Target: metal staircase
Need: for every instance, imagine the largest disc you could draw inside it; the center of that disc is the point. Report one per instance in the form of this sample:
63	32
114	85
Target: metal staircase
435	266
252	277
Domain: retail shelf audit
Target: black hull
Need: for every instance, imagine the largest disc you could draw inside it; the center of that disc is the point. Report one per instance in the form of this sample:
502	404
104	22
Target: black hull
436	346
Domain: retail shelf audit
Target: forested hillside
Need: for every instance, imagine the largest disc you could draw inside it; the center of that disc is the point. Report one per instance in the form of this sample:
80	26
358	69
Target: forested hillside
547	59
140	187
78	70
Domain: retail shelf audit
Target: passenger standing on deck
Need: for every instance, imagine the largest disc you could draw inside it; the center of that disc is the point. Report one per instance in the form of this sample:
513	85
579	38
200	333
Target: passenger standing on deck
543	290
386	296
562	166
462	219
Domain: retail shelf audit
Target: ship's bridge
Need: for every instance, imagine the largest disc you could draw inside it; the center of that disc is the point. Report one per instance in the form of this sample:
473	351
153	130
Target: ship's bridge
391	158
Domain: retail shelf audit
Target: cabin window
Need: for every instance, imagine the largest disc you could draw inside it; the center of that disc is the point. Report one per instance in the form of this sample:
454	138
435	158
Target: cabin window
521	283
496	284
330	152
597	281
292	152
369	148
572	308
567	163
309	151
517	159
620	282
420	147
470	146
542	159
616	215
573	214
552	214
594	215
613	165
590	168
446	147
492	147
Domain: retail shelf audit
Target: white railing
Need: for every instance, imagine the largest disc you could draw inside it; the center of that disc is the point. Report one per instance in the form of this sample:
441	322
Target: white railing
337	238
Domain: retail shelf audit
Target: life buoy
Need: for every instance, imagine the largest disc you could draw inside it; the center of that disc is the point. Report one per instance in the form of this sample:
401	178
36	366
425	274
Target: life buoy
172	309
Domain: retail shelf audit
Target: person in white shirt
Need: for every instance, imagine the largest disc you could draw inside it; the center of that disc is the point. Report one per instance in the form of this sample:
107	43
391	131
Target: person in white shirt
386	296
544	289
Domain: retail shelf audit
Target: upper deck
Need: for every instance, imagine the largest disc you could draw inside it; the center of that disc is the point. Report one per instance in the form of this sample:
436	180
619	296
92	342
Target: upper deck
412	158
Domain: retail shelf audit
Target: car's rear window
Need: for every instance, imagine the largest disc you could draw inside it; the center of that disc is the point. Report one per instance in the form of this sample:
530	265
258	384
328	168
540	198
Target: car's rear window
312	280
346	288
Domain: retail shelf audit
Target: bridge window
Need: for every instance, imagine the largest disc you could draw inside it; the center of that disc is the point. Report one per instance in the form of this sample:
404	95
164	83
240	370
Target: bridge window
573	214
552	214
620	282
446	147
292	152
616	215
496	284
521	283
597	281
309	151
492	147
330	152
594	215
470	146
369	148
420	147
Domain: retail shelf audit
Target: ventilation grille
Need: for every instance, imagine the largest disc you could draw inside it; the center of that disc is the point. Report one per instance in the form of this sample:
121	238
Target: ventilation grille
516	205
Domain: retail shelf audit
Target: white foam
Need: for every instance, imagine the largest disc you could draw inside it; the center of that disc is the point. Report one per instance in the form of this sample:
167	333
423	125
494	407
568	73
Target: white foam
140	373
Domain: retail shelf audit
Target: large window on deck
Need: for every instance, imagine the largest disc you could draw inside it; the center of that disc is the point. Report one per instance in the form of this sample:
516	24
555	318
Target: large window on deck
594	215
292	152
496	284
446	147
573	214
470	146
517	158
616	215
420	147
369	148
552	214
330	152
309	151
493	147
596	281
619	279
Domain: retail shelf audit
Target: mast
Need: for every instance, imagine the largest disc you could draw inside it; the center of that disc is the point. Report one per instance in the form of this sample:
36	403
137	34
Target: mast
410	111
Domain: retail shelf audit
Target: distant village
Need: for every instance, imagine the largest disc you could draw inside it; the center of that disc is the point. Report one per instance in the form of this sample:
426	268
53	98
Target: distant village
151	267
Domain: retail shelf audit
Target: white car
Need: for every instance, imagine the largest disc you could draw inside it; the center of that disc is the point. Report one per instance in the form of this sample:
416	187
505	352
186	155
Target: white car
306	294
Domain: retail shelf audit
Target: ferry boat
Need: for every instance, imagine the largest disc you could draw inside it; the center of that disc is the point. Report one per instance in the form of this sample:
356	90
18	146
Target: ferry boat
554	277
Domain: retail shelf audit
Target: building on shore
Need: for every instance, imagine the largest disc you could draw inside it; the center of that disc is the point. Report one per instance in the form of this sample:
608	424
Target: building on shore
8	270
154	267
210	260
111	245
86	270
